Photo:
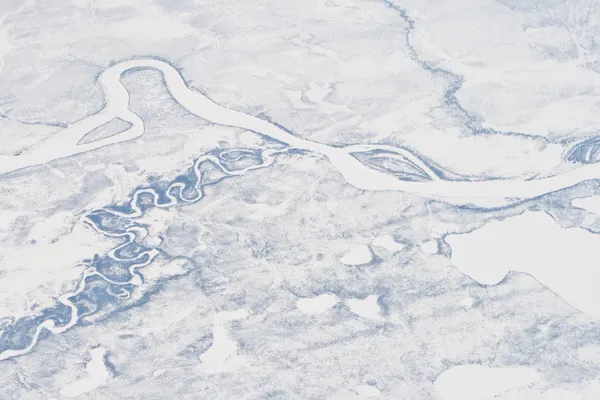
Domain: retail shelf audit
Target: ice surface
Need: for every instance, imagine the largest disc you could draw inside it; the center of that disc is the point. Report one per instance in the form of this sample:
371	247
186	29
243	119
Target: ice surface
96	372
316	305
562	259
326	199
478	382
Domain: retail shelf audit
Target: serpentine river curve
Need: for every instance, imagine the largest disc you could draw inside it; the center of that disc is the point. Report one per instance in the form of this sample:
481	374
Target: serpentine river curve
480	193
108	281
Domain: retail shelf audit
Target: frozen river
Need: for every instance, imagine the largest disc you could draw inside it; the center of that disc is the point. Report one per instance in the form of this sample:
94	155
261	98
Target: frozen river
477	193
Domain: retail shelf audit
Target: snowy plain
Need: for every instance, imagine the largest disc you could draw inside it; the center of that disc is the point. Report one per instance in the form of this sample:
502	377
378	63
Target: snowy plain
326	199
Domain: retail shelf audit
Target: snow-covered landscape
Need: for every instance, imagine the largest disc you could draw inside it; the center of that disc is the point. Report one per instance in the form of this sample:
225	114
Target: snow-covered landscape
327	199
